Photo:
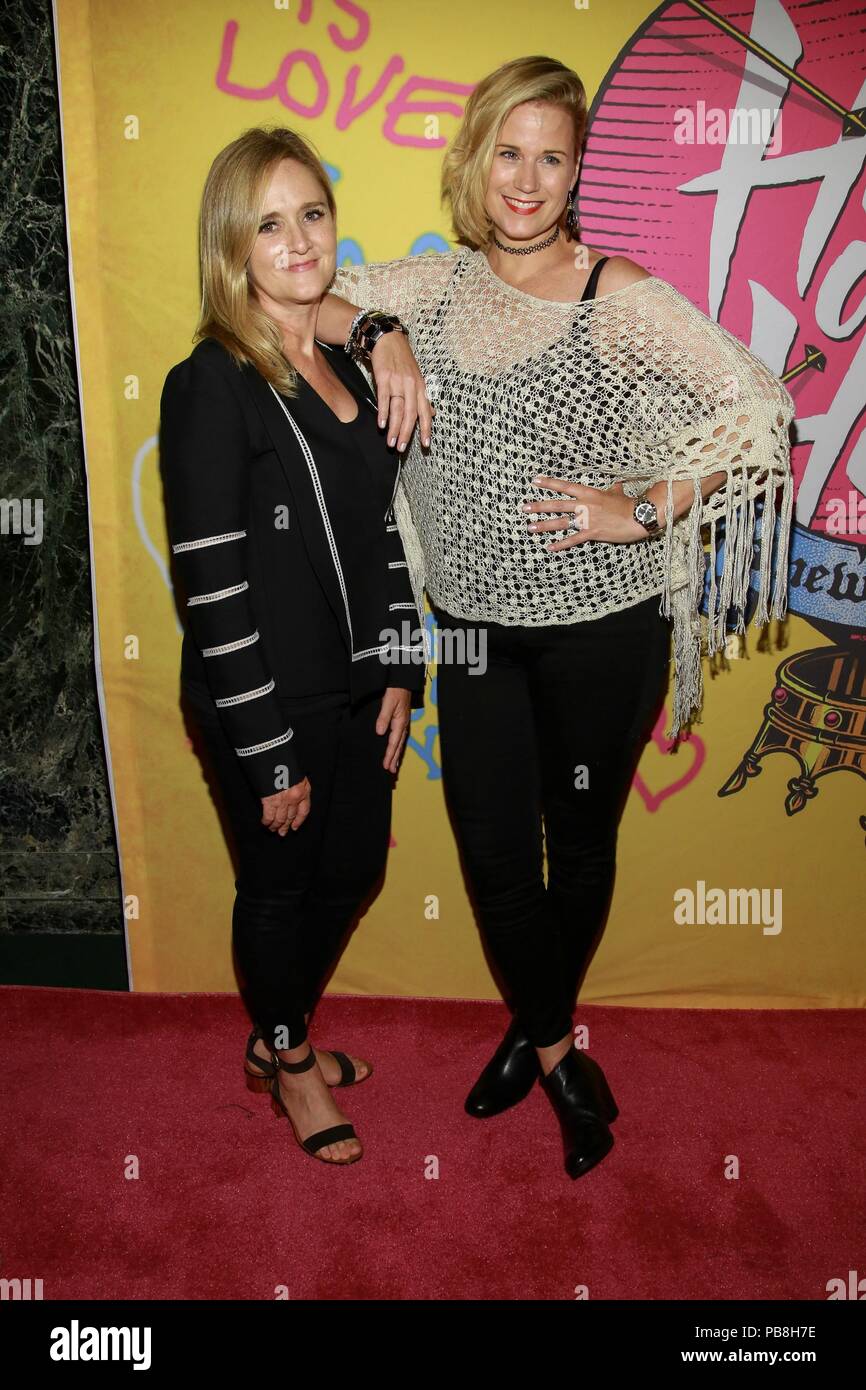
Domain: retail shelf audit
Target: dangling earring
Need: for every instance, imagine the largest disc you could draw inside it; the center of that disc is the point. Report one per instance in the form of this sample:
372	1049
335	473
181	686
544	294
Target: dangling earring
571	224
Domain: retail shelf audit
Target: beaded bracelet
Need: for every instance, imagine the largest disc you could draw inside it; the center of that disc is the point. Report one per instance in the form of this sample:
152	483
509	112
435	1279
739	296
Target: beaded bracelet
368	326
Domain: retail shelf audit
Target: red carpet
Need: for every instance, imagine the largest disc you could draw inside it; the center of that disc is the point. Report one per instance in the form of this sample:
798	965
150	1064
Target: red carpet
228	1207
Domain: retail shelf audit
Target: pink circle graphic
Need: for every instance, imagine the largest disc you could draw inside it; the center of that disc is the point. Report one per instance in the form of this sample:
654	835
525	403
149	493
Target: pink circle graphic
725	154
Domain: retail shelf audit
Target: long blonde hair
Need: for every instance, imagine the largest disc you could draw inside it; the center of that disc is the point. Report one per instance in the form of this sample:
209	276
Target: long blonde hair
229	222
466	166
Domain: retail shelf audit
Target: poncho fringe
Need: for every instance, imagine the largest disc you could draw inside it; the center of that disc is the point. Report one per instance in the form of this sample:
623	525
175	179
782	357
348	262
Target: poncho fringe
693	634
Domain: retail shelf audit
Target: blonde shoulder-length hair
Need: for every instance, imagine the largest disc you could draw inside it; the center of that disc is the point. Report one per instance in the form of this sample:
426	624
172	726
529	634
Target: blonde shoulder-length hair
229	220
466	166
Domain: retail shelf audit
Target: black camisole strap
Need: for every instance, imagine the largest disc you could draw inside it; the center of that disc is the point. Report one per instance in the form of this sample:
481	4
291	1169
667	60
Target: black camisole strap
592	282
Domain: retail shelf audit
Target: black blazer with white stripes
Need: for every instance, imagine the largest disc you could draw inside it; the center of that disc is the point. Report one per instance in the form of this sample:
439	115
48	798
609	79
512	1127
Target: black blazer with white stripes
230	453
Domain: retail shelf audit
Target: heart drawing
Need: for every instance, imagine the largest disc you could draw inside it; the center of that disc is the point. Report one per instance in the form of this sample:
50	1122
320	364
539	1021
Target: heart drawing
692	747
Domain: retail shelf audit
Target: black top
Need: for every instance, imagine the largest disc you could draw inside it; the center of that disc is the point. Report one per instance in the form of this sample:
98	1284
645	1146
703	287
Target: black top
591	285
320	659
284	540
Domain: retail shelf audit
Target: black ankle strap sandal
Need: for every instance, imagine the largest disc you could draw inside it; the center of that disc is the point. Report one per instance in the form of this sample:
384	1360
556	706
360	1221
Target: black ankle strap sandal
260	1080
317	1141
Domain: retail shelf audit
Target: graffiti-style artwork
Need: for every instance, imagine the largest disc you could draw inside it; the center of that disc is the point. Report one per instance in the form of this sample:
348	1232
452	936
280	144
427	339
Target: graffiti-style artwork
726	154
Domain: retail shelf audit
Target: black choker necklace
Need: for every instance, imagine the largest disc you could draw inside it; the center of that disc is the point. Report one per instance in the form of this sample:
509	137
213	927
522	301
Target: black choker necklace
528	250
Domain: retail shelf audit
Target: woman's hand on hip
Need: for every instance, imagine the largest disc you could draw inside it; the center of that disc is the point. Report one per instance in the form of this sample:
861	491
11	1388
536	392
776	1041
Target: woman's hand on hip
287	810
594	514
394	721
400	390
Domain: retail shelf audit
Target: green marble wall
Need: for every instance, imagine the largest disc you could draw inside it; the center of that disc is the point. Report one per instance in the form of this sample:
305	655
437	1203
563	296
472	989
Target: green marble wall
60	906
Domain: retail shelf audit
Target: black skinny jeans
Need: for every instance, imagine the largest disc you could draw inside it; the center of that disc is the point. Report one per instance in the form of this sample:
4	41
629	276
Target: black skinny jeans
513	741
297	894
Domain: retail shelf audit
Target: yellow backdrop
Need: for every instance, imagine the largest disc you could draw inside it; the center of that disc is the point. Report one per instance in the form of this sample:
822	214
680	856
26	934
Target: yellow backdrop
149	94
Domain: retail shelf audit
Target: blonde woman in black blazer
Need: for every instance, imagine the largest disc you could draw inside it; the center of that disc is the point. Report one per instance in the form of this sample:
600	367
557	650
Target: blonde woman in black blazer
279	488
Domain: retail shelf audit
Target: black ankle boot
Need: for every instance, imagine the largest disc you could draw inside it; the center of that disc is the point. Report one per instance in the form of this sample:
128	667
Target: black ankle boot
583	1110
508	1077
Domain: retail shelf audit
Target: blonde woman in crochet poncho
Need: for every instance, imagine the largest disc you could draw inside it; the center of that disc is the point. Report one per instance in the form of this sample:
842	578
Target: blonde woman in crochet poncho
552	413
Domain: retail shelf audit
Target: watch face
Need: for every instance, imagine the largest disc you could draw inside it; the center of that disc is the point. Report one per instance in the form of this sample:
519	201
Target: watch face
645	513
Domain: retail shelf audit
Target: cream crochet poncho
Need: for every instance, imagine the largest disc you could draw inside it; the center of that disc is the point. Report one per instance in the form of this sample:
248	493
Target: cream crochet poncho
634	386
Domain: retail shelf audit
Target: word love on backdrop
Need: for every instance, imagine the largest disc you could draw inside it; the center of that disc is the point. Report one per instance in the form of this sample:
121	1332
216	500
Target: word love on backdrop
301	67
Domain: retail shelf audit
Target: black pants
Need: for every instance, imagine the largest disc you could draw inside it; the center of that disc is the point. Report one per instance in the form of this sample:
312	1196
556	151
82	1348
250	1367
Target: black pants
549	735
297	894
